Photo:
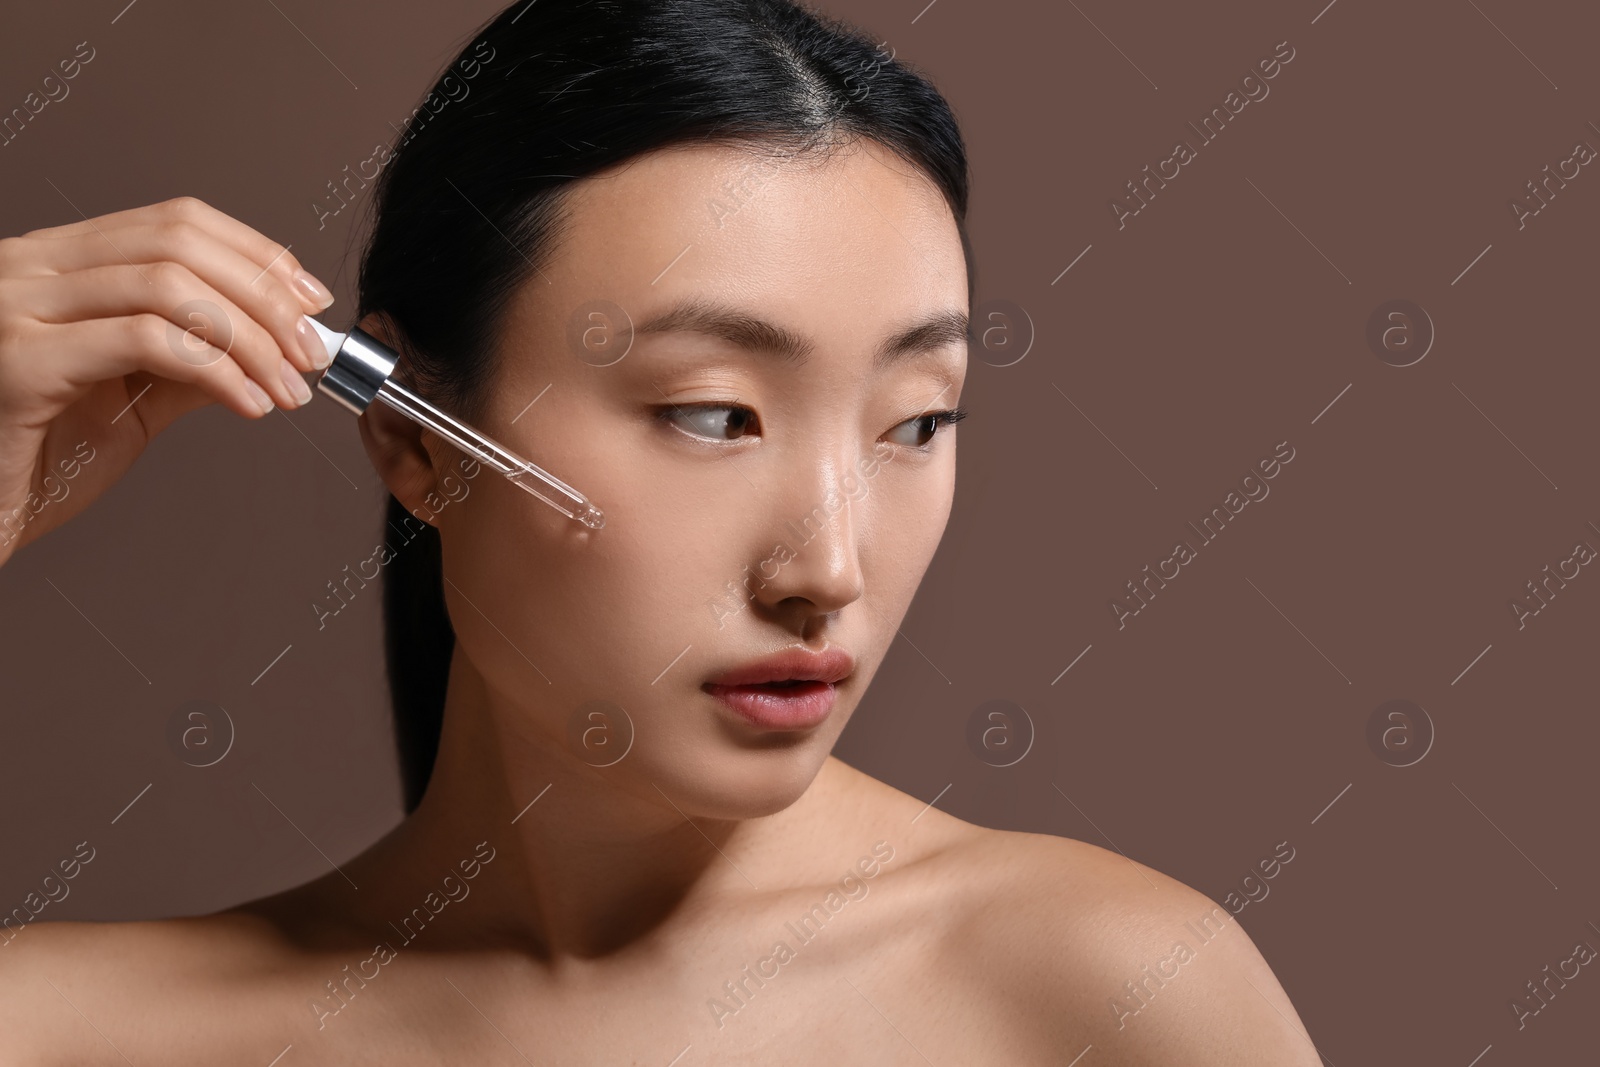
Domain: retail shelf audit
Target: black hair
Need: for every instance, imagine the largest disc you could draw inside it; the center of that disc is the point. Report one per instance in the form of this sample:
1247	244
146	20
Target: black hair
470	204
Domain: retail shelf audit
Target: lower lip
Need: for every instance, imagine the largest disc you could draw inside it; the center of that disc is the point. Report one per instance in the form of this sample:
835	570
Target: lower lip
791	707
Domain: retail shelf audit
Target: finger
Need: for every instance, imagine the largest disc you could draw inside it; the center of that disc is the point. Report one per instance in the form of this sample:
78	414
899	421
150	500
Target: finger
65	359
204	321
260	293
255	246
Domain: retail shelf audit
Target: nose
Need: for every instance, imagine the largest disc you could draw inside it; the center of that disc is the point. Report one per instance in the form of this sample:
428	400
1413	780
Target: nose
816	542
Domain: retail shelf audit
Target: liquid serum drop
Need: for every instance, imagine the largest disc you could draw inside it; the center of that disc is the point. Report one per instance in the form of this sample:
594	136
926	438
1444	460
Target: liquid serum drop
360	373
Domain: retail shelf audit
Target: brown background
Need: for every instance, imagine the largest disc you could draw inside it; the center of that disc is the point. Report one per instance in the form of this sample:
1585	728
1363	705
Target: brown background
1174	354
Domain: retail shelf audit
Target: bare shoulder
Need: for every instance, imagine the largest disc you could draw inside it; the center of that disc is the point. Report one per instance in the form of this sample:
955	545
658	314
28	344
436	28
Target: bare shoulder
1102	950
1048	945
65	987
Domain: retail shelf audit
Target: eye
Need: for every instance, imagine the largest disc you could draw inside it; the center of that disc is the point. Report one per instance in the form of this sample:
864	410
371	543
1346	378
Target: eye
924	427
719	422
728	422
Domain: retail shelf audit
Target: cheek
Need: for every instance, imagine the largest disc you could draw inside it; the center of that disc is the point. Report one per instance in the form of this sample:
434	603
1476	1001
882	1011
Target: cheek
595	613
907	511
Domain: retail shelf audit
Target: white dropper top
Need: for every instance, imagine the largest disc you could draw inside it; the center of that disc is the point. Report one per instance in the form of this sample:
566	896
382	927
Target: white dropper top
330	340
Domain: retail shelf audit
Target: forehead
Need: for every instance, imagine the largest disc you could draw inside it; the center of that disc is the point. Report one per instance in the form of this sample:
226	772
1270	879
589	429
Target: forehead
836	243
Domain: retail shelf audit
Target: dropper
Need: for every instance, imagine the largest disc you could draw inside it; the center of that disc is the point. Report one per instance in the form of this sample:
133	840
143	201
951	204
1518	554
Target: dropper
361	371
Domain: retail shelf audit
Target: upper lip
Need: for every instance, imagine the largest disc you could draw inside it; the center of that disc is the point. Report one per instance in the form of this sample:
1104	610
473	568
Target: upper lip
797	664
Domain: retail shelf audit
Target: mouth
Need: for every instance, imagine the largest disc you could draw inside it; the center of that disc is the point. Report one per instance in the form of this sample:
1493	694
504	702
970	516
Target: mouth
791	689
788	704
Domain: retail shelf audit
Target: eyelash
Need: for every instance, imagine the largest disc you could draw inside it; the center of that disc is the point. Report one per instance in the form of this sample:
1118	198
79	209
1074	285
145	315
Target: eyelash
947	417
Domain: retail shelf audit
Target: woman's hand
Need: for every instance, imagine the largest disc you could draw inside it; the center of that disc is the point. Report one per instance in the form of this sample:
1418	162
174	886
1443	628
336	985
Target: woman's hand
112	327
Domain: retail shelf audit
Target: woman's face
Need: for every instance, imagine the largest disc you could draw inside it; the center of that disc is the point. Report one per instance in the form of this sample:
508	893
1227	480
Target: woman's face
791	498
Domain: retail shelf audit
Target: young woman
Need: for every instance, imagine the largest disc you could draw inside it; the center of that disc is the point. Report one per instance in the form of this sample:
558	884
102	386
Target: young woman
704	261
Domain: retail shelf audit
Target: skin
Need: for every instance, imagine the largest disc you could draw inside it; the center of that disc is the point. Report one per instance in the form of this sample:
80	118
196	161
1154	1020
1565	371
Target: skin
609	905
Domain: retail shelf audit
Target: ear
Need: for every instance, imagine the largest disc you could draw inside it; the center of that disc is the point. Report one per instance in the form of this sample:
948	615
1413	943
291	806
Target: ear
395	444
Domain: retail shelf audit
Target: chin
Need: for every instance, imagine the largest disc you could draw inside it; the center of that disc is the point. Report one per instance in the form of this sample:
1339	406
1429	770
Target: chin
744	783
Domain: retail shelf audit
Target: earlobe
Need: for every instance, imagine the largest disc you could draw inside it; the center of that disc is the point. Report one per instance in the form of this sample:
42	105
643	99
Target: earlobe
394	445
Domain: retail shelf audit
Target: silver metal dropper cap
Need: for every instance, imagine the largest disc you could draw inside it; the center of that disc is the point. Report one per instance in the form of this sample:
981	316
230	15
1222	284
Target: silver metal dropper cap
361	364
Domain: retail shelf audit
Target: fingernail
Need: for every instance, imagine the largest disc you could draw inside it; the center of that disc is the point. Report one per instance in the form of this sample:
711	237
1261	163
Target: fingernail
313	290
311	344
263	401
296	384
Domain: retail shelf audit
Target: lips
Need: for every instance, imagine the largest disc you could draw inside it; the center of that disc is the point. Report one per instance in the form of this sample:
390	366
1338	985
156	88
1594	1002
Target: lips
792	690
797	664
775	706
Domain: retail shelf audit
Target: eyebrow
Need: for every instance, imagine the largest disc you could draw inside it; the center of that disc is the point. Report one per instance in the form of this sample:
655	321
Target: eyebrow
758	335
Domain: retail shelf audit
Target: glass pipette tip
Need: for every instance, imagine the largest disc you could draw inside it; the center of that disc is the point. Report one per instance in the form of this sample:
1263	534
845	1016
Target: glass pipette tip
534	479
